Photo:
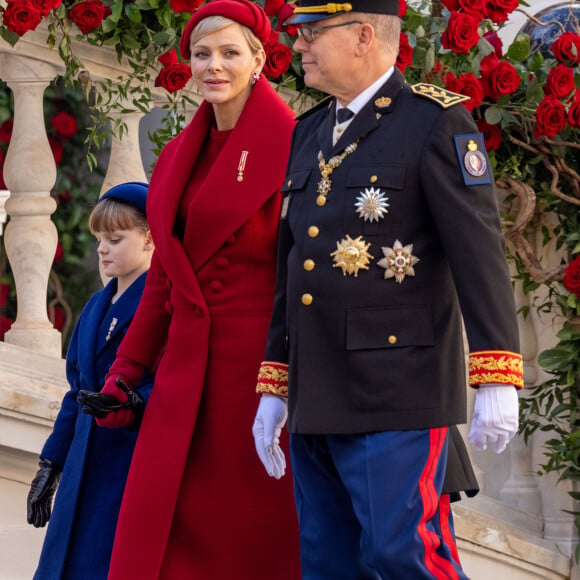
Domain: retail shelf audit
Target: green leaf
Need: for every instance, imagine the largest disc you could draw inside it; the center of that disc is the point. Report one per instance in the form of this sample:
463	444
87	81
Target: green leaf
492	115
520	48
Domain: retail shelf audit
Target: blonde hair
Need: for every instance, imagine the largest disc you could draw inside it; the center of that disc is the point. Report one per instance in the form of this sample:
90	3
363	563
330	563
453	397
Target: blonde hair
110	215
215	23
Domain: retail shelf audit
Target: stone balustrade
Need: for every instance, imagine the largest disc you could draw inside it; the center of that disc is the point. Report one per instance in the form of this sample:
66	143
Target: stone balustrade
514	529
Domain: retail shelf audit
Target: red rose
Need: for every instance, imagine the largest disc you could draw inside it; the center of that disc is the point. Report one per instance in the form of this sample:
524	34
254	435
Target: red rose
405	56
468	84
185	5
461	33
560	82
475	8
173	77
271	7
488	64
168	58
566	48
45	6
451	5
5	324
6	130
491	134
402	8
278	58
574	111
495	41
64	124
498	10
550	117
64	197
283	14
89	14
503	80
56	148
57	317
59	253
2	184
571	279
20	16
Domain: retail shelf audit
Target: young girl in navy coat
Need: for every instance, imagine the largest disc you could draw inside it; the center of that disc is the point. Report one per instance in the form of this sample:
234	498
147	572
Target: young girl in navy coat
93	461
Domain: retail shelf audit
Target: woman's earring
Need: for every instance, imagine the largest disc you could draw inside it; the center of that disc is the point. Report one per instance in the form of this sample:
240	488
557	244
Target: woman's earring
254	77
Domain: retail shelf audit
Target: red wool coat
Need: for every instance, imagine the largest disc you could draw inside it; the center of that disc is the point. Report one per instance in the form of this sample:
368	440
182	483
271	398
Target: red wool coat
198	504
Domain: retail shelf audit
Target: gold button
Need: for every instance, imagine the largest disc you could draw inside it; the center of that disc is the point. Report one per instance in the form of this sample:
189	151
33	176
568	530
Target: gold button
392	339
309	265
320	201
313	231
289	183
373	178
307	299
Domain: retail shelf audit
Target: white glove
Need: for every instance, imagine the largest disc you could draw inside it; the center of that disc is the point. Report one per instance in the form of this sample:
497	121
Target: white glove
270	418
495	417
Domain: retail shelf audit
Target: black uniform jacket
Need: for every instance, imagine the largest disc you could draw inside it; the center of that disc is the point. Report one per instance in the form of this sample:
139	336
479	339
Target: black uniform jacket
365	352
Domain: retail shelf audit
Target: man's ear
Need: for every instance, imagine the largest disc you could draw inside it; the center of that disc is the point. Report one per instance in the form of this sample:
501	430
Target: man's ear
366	37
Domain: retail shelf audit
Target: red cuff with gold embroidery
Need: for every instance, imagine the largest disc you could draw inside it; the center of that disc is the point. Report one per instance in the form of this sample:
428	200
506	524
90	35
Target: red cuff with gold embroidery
273	379
496	366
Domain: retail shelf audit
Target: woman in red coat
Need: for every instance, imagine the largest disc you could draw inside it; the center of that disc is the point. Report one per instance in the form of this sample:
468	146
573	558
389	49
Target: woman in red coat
197	504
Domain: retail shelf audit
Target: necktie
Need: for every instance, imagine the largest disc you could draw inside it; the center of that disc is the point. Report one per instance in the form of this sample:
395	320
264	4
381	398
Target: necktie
343	115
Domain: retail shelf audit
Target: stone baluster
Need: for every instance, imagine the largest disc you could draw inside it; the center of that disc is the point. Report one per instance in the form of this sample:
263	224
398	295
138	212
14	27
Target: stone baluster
30	173
125	162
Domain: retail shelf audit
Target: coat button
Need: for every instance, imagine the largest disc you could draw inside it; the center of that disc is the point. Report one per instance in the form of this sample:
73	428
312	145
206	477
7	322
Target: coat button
320	201
222	263
309	265
307	299
313	231
216	286
392	339
373	179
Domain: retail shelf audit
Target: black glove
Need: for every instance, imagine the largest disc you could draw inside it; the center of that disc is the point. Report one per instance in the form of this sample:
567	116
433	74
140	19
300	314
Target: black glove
101	404
42	488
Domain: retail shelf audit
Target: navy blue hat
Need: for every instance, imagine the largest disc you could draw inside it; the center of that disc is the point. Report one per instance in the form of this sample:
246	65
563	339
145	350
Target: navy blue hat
313	10
134	193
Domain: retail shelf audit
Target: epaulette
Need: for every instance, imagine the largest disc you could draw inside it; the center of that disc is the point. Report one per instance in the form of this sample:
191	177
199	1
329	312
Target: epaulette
327	102
442	97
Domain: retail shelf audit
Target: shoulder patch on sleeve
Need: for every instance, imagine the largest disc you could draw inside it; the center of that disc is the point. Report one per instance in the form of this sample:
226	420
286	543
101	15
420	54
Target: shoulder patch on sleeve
473	158
442	97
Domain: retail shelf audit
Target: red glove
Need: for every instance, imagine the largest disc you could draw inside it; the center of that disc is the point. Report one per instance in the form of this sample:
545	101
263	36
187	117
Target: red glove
130	373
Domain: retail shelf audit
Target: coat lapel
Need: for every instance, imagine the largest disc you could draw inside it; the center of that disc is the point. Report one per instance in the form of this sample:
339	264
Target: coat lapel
262	162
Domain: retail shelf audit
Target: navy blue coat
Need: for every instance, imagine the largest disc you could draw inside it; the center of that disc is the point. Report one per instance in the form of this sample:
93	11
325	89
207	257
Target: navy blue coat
95	460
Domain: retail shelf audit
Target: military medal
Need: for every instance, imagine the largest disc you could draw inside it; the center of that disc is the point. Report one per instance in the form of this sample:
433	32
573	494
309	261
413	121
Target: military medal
326	169
111	327
372	204
398	261
242	165
474	160
351	255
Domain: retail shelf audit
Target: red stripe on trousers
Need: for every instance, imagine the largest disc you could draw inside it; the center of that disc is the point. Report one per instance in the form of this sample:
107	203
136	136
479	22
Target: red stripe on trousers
441	568
444	509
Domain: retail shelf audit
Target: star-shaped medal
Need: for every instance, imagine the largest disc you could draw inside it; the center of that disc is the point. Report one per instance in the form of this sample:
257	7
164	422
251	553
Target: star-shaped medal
372	204
398	261
351	255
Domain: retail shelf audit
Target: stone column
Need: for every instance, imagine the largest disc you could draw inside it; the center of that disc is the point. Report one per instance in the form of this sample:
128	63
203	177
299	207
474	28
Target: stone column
125	163
30	173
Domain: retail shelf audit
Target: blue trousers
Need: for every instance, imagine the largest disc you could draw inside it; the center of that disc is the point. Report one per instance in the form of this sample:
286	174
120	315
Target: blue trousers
369	506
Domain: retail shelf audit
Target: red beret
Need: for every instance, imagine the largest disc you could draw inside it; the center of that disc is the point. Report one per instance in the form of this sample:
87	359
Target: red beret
241	11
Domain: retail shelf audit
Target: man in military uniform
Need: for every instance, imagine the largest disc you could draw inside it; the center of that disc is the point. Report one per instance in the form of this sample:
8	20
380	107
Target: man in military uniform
389	236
